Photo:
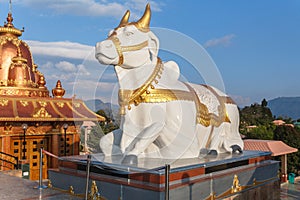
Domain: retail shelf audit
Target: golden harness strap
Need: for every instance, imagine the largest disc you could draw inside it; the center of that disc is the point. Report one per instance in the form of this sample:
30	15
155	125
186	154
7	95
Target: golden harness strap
147	93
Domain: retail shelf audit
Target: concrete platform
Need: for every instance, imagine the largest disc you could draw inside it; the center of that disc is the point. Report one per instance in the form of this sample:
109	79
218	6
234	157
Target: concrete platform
251	175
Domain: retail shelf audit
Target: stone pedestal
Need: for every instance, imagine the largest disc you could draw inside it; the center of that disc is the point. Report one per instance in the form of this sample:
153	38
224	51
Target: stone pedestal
251	175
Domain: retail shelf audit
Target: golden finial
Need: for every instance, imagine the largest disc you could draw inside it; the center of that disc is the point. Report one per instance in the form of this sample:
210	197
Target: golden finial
8	25
42	81
58	91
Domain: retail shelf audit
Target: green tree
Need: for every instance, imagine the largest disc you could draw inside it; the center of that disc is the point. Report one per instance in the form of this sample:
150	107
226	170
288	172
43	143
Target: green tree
255	115
102	113
264	103
291	137
93	139
261	132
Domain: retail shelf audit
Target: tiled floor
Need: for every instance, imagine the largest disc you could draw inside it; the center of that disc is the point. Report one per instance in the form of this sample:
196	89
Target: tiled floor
290	191
16	188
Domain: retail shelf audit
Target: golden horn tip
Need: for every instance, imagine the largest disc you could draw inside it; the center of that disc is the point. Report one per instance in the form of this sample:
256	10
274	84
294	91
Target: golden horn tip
124	19
144	22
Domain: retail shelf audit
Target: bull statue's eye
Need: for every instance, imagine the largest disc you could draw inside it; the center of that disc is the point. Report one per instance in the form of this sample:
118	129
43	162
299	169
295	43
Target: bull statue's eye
129	33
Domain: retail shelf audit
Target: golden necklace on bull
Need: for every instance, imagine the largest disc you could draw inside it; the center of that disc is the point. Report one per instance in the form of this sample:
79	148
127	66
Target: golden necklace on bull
147	93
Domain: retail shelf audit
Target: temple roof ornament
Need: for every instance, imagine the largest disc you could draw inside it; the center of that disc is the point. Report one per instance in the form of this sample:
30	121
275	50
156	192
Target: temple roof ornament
9	28
58	91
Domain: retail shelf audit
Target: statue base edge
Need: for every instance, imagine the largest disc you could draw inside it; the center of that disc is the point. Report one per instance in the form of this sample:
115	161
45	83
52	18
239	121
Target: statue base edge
253	175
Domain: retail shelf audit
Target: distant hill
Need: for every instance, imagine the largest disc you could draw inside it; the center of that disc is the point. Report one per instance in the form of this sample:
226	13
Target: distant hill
97	104
285	107
282	106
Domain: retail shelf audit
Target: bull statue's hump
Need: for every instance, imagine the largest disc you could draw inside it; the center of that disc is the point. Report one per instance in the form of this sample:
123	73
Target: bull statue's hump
162	117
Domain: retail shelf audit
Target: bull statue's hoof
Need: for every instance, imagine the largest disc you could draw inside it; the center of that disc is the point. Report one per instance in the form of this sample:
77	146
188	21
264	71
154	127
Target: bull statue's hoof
236	148
212	153
130	160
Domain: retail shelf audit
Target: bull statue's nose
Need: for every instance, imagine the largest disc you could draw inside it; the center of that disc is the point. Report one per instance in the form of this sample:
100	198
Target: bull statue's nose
106	52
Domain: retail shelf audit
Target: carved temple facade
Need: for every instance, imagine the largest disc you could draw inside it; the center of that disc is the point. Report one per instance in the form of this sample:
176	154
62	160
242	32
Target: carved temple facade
30	118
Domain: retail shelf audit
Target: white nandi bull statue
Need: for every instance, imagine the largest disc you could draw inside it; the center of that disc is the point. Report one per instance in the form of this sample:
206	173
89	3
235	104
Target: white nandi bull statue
162	117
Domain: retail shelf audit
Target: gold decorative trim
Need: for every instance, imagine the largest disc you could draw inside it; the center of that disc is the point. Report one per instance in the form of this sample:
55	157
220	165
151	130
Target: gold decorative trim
135	96
60	104
134	47
71	190
236	188
116	42
19	91
67	113
3	102
120	49
94	193
56	110
38	119
42	113
43	103
24	103
148	94
13	31
74	110
49	184
77	105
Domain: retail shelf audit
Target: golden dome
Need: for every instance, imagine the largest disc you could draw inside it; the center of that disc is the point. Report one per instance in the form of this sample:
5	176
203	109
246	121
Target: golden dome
18	73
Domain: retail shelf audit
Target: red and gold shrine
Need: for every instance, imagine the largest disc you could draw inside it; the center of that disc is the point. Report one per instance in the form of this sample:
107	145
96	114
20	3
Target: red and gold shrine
30	118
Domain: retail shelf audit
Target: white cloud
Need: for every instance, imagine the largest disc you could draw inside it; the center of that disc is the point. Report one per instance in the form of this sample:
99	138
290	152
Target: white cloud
62	49
72	69
66	66
222	41
47	65
82	70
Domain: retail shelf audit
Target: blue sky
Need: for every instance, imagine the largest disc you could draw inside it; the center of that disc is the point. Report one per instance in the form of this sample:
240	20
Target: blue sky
254	44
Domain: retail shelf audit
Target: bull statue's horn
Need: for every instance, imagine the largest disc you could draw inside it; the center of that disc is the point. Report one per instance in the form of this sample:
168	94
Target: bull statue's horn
143	23
124	19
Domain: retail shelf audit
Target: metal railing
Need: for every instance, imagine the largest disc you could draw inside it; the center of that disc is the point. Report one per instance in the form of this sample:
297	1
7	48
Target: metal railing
10	159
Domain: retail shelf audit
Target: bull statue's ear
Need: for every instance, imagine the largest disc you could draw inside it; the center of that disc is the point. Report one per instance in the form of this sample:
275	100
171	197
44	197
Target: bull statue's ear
153	44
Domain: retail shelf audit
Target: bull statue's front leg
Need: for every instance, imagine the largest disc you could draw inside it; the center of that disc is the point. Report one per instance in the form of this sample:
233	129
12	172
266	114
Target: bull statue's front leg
110	143
141	142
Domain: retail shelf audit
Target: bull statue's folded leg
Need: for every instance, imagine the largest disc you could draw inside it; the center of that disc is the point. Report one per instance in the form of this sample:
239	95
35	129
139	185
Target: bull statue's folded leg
141	142
110	143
